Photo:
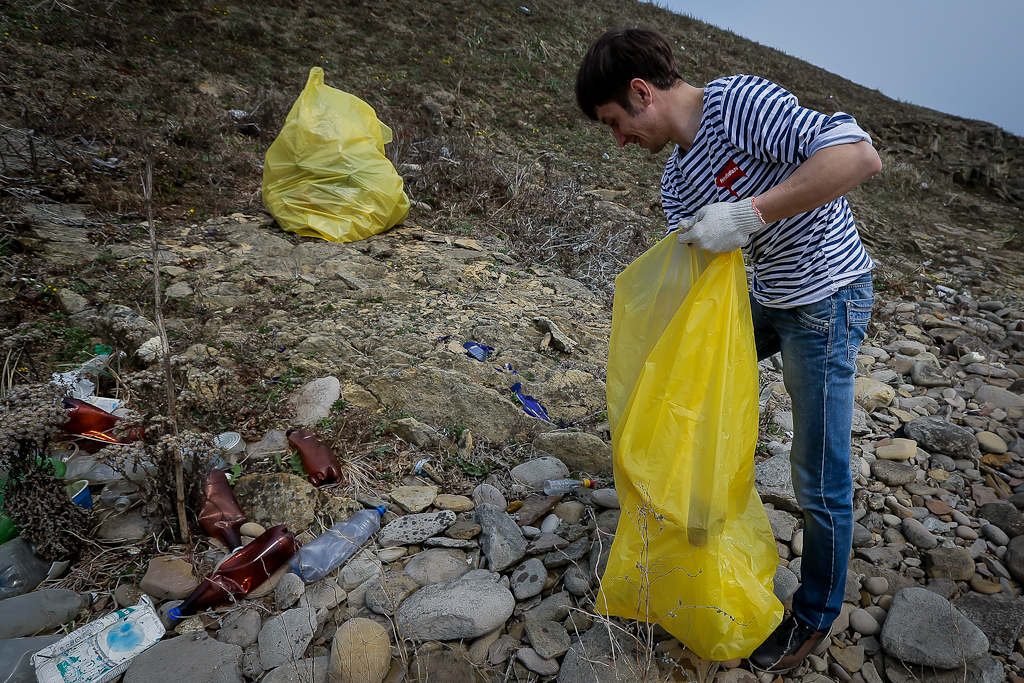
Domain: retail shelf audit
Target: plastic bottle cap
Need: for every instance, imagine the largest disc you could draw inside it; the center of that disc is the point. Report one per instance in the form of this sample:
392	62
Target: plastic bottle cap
381	510
174	614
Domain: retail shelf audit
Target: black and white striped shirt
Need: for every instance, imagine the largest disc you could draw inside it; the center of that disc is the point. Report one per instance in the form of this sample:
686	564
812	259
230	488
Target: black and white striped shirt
753	135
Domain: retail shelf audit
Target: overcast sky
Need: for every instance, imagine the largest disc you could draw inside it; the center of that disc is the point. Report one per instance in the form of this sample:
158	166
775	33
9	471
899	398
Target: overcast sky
956	56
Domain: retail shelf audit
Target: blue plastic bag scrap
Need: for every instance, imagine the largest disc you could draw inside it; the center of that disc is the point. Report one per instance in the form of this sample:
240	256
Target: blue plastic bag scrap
478	351
531	406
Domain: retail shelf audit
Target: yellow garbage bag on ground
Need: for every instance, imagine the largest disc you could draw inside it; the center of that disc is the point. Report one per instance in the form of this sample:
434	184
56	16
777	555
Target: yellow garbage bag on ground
326	174
694	551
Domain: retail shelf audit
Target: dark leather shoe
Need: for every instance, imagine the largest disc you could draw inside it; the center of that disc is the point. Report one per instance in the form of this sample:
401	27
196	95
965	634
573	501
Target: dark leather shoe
787	646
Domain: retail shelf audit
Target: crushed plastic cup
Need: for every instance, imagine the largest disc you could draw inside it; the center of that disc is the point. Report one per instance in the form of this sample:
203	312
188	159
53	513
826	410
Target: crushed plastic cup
79	493
478	351
531	406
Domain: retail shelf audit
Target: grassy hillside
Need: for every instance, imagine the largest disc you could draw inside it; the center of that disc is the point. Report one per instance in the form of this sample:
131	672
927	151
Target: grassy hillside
478	93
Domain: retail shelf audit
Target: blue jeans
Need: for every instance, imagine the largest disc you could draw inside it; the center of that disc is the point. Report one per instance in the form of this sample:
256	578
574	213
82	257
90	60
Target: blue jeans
819	343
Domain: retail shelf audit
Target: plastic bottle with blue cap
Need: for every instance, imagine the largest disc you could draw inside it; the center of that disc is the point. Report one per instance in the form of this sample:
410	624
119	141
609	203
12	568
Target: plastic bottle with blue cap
332	548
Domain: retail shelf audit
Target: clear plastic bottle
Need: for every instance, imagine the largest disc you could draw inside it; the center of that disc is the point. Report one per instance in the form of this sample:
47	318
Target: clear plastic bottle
20	570
120	495
553	487
33	612
329	550
16	657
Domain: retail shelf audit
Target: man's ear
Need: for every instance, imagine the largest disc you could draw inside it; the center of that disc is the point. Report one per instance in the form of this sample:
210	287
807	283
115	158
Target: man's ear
640	91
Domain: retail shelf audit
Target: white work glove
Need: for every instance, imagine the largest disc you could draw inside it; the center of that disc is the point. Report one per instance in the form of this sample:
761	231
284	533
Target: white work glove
720	227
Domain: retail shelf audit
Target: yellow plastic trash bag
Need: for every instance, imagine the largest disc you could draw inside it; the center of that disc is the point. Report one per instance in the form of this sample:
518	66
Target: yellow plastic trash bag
326	174
694	551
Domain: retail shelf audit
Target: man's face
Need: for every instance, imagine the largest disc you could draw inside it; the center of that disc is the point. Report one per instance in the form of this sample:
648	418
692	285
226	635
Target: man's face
641	129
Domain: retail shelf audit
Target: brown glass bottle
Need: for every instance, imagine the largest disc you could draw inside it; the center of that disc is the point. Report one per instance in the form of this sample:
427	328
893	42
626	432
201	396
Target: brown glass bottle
96	425
219	513
318	461
240	573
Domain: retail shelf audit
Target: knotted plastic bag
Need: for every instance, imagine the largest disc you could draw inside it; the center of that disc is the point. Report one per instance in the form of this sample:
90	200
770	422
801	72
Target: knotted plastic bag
694	551
326	174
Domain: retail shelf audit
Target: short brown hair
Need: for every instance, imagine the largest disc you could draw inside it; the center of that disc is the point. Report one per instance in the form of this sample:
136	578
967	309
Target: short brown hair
615	59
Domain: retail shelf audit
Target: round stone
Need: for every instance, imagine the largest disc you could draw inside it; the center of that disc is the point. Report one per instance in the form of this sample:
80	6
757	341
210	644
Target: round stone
990	443
966	533
876	585
863	623
252	529
995	534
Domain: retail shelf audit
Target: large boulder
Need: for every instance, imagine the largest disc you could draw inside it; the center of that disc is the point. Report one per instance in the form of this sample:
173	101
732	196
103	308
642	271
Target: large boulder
468	607
924	628
280	498
581	452
935	434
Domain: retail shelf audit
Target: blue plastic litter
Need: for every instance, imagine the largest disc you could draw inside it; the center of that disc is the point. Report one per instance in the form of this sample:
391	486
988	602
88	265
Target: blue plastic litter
478	351
531	406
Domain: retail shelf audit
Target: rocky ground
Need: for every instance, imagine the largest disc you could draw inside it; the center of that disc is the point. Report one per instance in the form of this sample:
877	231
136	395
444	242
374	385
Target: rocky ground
487	579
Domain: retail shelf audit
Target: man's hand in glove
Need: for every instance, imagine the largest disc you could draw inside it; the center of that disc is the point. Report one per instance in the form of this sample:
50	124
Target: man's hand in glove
721	227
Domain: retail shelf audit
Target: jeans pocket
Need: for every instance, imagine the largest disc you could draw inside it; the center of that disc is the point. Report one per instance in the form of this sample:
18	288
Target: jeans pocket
817	316
858	314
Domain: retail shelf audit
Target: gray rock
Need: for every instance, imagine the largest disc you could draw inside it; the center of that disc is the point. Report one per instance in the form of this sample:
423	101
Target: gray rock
581	452
323	595
437	564
997	396
434	666
893	473
533	473
412	529
417	391
923	628
917	535
595	658
950	563
1014	558
773	481
995	534
532	660
411	430
555	607
528	579
896	580
310	670
548	638
1005	516
924	375
241	628
783	524
572	553
272	499
861	536
288	591
882	556
284	638
385	593
576	580
191	657
984	669
876	585
863	623
999	618
468	607
275	442
485	493
605	498
314	401
129	525
935	434
786	583
358	570
500	538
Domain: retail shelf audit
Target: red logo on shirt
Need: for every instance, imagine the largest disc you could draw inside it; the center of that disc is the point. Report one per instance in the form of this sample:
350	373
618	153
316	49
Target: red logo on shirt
728	175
